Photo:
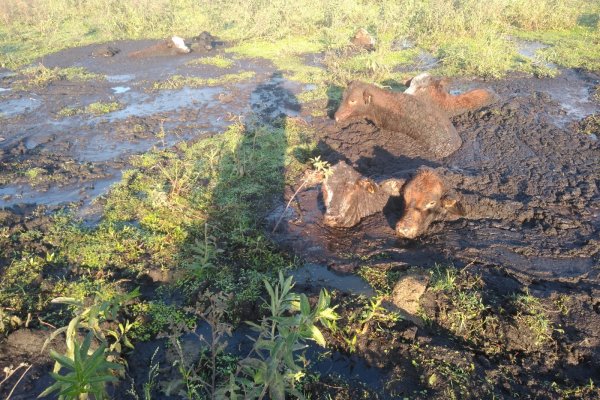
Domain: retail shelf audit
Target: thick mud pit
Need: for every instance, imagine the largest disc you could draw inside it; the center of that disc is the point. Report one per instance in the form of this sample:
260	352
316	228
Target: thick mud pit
85	152
528	177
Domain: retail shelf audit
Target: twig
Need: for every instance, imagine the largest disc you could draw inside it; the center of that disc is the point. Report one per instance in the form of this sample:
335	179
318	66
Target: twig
288	204
19	381
11	373
47	324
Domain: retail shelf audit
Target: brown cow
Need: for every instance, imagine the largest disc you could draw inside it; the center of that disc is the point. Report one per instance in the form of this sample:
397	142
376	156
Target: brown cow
426	199
401	113
168	47
363	40
349	197
427	88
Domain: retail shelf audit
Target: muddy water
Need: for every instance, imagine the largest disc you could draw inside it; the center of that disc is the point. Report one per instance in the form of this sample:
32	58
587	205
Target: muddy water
32	125
528	180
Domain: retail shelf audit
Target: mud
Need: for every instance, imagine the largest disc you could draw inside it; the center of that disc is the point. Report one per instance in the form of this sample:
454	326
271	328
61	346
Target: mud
85	152
528	180
527	173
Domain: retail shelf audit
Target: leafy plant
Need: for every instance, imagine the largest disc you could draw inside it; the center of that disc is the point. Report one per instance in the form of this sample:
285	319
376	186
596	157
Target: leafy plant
86	374
273	366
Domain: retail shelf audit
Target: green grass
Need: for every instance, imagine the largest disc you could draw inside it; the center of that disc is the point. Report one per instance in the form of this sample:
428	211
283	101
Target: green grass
179	81
41	76
574	48
97	108
470	37
216	61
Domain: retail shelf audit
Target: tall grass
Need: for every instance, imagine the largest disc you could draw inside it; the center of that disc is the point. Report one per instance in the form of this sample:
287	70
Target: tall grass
30	28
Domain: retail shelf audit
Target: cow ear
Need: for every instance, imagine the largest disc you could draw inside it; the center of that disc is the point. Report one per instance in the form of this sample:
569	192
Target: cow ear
393	186
444	83
407	82
367	184
367	96
453	205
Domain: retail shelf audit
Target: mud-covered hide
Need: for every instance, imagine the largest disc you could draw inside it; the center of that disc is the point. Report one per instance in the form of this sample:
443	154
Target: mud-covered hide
435	90
363	40
401	113
349	197
204	42
427	198
168	47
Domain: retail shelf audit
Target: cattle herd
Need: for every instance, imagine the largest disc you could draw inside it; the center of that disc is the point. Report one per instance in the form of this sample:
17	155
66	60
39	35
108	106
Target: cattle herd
422	112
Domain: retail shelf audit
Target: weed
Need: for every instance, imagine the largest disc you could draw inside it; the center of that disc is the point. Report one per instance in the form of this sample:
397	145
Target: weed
273	366
534	317
179	81
40	76
216	61
443	278
86	372
97	108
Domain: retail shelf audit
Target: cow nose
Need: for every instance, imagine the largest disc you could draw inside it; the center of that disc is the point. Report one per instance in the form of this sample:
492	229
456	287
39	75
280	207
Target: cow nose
337	119
406	231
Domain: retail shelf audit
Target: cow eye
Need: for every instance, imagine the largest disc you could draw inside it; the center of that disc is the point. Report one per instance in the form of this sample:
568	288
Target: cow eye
431	204
353	102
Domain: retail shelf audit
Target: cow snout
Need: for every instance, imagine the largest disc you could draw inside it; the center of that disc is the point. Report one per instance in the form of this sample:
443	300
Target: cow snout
407	231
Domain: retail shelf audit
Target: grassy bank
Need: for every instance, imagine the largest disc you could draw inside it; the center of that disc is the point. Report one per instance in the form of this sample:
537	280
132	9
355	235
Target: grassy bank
469	37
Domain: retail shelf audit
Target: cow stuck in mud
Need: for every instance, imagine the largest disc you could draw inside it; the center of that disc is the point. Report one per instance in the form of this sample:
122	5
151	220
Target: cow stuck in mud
427	88
400	112
168	47
426	199
349	197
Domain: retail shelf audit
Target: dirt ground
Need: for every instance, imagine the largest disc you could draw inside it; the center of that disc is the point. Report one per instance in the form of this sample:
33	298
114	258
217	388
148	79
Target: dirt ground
527	173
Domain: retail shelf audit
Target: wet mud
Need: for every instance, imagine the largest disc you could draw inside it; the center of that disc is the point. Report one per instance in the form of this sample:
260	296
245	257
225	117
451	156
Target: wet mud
528	174
86	148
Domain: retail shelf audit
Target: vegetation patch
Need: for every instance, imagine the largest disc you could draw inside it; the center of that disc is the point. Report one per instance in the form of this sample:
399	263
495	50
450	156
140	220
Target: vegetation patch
216	61
97	108
179	81
41	76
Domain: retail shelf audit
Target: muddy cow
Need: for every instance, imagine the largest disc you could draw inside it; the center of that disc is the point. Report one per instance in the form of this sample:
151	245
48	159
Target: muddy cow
426	199
204	42
169	47
363	40
427	88
401	113
349	197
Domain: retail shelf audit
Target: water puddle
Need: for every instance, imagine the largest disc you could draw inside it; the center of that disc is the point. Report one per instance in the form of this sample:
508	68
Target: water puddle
315	275
120	78
5	90
25	194
142	105
529	48
426	61
120	89
16	107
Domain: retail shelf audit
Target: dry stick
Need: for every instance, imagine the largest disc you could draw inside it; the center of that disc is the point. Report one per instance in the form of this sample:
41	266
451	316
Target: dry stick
9	374
288	204
19	381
